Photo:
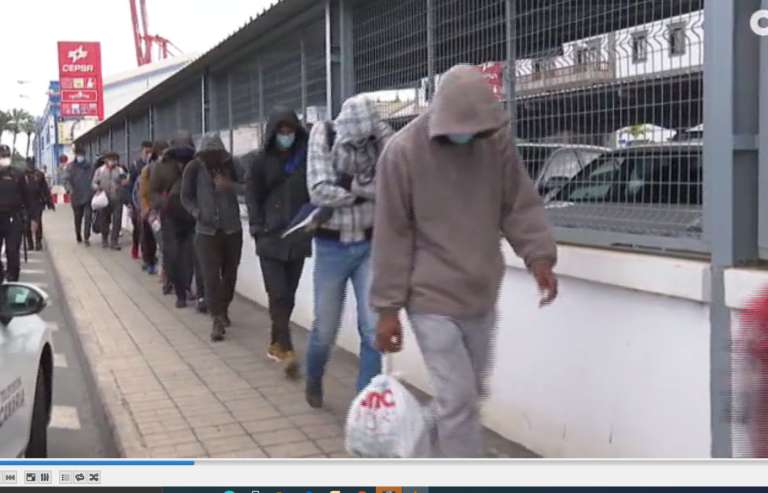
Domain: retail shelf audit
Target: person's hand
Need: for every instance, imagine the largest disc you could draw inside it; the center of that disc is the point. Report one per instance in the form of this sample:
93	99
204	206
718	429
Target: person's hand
546	281
222	181
389	333
344	180
125	182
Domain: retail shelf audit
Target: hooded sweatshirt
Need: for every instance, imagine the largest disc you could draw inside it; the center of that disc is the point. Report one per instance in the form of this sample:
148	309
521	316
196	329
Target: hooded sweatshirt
214	208
276	189
360	137
166	176
78	181
440	207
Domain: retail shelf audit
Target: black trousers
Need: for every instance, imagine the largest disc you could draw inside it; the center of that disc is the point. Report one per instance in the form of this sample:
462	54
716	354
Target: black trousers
281	280
219	256
178	254
147	243
111	222
11	234
83	214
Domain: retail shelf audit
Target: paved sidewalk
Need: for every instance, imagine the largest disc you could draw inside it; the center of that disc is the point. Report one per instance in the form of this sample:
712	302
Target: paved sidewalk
169	392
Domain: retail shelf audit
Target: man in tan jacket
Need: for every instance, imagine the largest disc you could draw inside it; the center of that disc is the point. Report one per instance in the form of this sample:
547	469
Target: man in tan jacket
448	186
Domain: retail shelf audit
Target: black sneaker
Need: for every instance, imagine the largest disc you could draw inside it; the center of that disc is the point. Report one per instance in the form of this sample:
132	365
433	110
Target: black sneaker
313	393
218	330
38	247
79	239
226	320
104	245
181	303
87	243
116	248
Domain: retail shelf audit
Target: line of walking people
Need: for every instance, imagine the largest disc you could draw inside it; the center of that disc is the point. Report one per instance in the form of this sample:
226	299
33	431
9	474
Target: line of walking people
411	220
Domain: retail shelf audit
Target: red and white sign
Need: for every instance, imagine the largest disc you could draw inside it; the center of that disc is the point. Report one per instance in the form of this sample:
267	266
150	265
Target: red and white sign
82	92
493	72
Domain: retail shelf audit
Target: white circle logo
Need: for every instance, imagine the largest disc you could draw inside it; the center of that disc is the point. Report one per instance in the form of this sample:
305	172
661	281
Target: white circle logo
754	23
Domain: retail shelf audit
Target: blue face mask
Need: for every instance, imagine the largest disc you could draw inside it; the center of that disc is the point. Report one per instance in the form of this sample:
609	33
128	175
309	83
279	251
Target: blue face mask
460	139
80	159
285	141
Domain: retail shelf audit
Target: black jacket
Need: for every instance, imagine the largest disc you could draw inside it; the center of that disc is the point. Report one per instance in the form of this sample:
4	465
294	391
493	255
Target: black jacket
165	183
275	194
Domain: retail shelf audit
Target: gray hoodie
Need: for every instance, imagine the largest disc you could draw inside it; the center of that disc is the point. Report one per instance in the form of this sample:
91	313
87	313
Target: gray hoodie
213	208
441	208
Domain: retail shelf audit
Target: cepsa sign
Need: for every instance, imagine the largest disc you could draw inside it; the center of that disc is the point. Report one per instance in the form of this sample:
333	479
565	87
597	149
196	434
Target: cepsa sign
80	79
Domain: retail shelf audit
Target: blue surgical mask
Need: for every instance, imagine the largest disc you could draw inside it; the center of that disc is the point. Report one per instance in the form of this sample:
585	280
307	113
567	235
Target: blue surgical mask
285	140
460	139
80	159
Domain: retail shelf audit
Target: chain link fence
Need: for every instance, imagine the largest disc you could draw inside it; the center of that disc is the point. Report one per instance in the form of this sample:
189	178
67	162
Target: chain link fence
605	97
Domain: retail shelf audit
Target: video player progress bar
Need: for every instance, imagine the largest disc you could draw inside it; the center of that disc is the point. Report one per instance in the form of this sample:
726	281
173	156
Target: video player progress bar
97	463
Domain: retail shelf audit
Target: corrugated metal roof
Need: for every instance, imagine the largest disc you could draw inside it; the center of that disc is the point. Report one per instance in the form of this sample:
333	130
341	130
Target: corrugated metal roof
253	34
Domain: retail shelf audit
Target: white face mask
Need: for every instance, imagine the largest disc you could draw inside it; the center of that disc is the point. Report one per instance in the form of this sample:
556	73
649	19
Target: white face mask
5	162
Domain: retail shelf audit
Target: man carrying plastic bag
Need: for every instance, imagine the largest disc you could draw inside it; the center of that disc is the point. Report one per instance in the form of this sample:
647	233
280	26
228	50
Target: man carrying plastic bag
447	185
385	421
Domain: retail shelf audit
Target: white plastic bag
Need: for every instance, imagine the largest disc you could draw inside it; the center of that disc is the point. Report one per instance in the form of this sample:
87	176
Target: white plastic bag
385	420
99	201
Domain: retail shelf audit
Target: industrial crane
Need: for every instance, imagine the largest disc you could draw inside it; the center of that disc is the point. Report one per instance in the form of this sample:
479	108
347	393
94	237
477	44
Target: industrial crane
145	42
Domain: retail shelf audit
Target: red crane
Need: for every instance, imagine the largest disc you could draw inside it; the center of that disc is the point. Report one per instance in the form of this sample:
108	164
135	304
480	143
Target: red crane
146	43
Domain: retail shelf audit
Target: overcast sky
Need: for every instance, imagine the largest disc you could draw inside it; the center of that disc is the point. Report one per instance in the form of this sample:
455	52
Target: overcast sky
31	29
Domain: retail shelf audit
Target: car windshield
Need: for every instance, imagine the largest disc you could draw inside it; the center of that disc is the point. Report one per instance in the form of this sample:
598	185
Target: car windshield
534	158
647	177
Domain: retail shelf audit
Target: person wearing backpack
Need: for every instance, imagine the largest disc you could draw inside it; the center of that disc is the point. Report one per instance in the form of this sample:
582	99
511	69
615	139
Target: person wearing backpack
340	176
178	226
276	189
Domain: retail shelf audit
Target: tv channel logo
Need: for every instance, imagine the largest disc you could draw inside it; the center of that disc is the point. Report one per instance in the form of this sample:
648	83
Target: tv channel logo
755	24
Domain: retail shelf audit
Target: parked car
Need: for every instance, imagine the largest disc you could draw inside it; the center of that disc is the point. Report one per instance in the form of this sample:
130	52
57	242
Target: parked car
551	165
645	189
26	372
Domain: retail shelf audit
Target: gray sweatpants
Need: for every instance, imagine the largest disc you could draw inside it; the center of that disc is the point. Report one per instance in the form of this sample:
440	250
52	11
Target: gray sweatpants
457	354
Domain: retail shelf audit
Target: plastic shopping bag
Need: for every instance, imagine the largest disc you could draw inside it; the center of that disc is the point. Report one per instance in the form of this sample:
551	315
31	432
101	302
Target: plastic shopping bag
99	201
385	420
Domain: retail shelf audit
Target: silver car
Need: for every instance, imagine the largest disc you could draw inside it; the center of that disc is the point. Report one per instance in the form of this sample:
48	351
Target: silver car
551	165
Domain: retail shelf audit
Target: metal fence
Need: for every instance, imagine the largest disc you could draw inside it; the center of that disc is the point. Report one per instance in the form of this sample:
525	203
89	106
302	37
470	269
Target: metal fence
607	99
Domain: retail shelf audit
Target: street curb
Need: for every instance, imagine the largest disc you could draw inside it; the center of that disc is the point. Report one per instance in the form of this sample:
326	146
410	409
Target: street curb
124	434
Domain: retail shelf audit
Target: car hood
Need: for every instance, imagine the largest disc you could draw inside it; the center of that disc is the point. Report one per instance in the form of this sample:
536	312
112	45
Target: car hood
644	219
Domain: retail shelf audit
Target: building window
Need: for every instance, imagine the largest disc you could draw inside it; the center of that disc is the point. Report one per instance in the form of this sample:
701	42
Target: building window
543	65
677	40
639	47
588	53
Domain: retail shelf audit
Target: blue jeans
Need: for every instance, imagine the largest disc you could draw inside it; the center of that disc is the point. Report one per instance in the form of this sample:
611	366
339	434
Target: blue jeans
336	264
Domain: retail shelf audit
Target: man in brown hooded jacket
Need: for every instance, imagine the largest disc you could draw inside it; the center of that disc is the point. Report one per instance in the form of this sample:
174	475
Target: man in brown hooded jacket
447	185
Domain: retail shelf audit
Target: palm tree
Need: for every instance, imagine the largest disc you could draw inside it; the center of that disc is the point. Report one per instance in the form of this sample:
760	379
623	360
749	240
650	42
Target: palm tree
4	119
29	128
16	124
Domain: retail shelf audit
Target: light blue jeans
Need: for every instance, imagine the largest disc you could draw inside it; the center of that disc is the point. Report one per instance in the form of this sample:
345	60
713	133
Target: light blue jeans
335	265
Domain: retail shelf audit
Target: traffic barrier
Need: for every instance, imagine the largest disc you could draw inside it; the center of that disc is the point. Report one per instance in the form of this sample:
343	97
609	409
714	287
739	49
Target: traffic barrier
60	198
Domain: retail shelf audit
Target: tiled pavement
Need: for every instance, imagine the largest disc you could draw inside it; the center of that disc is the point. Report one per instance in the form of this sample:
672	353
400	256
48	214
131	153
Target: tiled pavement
169	392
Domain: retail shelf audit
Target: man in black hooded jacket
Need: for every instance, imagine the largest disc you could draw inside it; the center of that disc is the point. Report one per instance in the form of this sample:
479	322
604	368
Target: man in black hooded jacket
276	189
178	226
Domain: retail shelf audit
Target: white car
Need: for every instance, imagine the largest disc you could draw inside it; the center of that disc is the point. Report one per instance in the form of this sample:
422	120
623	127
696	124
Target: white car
26	372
